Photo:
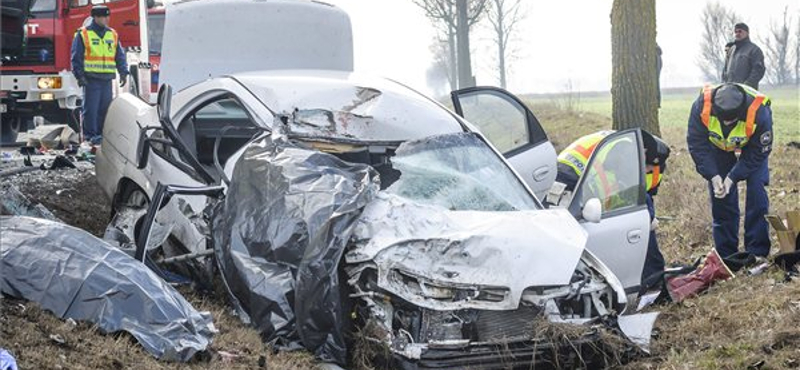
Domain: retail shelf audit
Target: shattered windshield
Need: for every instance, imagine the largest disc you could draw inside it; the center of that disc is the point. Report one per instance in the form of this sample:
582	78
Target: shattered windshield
459	172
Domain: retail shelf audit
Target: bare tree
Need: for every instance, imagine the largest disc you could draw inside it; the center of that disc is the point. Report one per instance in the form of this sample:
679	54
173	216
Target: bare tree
797	53
778	51
439	74
718	22
444	16
504	16
634	95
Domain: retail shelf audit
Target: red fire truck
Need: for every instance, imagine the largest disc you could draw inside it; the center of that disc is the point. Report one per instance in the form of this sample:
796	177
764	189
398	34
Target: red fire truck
35	76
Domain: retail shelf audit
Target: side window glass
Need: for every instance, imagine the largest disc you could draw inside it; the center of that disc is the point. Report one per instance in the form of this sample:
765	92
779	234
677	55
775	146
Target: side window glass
223	120
613	176
503	121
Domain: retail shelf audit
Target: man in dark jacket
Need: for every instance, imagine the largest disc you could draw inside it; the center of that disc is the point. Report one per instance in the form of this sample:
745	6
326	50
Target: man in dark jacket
745	62
97	57
725	120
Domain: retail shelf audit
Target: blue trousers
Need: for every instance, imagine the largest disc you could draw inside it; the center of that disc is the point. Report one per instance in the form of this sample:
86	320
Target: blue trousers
654	261
96	99
725	212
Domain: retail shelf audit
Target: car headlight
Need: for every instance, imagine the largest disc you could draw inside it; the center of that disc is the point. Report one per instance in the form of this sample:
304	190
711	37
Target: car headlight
46	83
447	292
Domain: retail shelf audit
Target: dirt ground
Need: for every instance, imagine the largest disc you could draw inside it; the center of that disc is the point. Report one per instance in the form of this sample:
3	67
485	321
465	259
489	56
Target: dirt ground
72	194
750	322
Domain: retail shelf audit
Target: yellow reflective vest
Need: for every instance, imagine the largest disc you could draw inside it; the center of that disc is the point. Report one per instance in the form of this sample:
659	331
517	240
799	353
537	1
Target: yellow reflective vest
577	154
741	133
100	52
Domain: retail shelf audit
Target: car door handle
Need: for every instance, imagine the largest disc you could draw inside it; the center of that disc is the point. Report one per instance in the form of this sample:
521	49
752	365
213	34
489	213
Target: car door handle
131	23
634	236
540	173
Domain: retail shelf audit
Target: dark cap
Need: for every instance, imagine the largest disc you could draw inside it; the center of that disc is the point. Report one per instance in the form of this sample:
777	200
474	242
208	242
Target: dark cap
656	151
100	11
729	102
741	26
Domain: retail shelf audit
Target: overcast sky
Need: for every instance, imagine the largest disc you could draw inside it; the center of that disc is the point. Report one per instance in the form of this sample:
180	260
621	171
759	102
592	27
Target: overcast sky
560	41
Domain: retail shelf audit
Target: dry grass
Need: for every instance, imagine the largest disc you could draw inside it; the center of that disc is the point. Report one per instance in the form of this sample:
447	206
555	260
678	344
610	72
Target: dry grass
739	323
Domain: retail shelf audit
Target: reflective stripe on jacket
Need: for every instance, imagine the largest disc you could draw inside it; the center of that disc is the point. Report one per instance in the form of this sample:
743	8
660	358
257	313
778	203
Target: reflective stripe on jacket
100	52
741	133
577	154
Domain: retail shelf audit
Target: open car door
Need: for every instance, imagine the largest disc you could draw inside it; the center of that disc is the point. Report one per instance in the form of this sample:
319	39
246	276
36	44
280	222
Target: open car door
513	129
614	175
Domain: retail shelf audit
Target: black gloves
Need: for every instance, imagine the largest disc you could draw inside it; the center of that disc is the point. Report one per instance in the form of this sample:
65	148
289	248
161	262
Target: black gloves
82	82
123	80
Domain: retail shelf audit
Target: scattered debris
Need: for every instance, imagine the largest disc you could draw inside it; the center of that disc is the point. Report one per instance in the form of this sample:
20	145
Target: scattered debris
713	269
58	339
14	203
788	231
86	279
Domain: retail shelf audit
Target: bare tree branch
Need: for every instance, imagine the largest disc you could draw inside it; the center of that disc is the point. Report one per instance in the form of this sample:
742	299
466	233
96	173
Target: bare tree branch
778	51
718	22
504	15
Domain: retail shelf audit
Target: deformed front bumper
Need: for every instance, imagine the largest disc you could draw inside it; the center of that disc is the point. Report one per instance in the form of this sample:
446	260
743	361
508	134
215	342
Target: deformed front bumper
587	351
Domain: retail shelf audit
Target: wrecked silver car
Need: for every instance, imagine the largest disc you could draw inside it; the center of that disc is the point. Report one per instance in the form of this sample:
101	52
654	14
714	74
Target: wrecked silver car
341	209
425	242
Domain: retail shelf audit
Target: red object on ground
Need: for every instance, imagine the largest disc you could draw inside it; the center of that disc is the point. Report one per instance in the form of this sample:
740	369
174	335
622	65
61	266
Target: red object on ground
713	269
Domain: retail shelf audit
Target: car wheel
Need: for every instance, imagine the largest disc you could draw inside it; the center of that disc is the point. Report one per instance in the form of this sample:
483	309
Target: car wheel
9	129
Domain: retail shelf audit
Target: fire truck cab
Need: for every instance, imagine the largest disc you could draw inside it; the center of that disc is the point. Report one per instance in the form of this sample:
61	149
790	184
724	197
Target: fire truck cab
35	76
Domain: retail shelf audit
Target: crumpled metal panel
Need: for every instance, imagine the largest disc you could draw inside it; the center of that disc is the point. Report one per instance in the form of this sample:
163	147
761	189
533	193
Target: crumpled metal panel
279	236
513	250
76	275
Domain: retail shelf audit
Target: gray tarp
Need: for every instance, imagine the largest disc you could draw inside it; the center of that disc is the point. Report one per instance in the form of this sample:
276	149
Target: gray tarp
76	275
279	238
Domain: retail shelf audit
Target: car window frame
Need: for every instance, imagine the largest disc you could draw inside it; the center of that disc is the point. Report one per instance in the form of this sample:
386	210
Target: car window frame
575	206
534	127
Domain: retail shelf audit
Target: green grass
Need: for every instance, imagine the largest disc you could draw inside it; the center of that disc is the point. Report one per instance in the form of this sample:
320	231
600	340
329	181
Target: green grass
675	107
728	327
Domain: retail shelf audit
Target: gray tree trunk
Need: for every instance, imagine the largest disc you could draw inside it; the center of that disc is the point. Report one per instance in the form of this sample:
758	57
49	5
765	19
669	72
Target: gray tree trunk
501	49
451	46
462	38
634	76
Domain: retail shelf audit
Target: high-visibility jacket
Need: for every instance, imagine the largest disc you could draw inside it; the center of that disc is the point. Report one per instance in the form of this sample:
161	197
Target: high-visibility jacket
653	178
100	52
577	154
741	133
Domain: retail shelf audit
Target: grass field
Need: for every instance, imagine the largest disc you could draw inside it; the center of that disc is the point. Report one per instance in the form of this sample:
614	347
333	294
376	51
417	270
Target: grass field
739	323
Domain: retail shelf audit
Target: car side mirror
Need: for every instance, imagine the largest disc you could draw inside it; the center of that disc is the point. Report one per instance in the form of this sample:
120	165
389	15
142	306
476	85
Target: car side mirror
164	102
592	210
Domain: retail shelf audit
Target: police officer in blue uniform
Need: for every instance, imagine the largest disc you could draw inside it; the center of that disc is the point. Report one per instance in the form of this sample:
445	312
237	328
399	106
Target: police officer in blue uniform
730	139
97	56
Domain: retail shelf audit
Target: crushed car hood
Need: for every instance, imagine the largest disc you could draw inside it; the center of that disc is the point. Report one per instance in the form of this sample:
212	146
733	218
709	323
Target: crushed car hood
497	251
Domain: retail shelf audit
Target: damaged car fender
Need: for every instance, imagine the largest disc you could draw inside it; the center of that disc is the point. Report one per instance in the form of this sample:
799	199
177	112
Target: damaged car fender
425	254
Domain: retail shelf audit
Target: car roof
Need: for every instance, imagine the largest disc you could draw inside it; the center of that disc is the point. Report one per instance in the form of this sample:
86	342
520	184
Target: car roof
360	107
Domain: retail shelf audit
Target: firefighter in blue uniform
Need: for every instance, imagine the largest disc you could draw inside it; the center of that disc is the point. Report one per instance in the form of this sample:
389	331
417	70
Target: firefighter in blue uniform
730	139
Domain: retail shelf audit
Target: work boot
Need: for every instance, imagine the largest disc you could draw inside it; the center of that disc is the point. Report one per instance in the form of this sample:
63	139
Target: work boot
696	282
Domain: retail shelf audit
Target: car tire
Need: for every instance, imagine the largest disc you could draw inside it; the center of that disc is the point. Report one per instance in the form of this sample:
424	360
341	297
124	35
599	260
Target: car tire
9	130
